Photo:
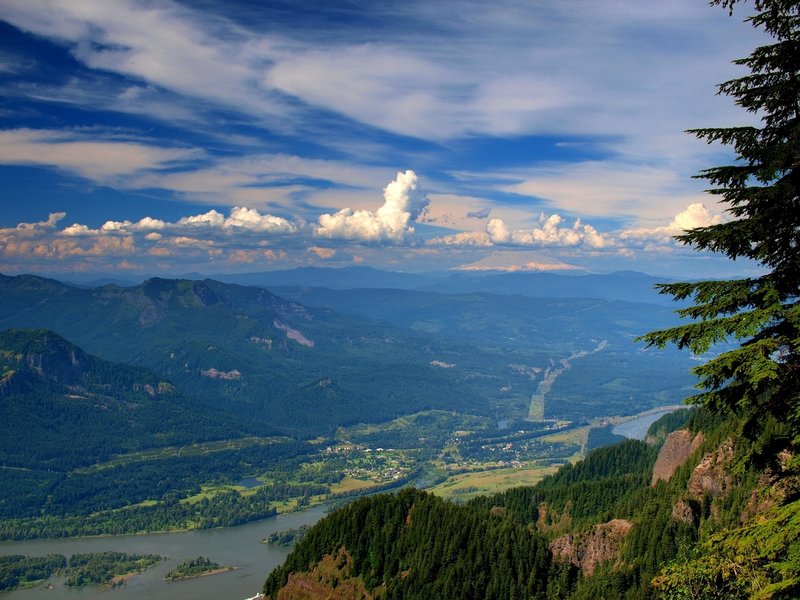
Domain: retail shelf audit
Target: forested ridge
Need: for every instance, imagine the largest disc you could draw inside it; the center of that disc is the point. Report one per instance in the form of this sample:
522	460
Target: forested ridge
286	368
413	544
53	392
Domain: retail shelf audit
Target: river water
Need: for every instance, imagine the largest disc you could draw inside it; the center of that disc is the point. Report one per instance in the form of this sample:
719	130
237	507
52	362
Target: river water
236	546
636	429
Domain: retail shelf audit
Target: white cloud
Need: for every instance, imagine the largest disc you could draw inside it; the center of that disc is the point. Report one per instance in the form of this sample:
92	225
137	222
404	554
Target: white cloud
212	218
164	44
549	234
250	219
78	229
404	202
35	228
112	226
571	71
695	215
240	218
149	224
101	161
389	87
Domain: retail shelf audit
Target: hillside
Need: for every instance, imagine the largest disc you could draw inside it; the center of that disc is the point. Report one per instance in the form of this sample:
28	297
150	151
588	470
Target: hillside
84	438
248	351
721	522
53	393
243	350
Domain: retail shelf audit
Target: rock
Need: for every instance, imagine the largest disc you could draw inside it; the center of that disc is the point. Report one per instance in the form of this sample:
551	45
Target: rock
682	511
677	448
711	475
592	548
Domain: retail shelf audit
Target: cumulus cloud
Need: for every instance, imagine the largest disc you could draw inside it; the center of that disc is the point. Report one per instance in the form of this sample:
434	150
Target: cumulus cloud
210	219
78	229
240	218
209	236
549	234
324	253
251	219
34	228
61	248
149	224
552	233
695	215
404	203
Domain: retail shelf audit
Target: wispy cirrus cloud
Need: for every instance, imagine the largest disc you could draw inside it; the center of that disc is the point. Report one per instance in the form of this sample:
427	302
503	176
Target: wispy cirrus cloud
96	159
401	77
276	120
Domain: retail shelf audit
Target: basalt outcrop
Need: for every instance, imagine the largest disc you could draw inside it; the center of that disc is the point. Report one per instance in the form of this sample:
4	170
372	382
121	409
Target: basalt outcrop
589	549
677	449
711	475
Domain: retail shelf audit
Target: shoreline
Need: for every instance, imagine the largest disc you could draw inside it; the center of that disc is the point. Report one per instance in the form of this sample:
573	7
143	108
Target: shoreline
208	573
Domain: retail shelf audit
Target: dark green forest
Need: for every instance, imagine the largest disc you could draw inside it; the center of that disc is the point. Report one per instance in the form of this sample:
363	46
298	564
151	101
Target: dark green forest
413	544
419	546
81	569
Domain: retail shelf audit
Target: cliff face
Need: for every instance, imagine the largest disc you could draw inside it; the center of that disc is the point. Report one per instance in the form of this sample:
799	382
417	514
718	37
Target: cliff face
677	449
329	579
590	549
711	475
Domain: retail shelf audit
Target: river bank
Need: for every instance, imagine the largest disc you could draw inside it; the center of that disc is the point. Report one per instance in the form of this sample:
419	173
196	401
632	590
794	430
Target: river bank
240	546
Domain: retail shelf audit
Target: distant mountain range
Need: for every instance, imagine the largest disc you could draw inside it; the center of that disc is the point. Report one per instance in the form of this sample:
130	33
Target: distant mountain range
623	285
297	366
288	368
630	286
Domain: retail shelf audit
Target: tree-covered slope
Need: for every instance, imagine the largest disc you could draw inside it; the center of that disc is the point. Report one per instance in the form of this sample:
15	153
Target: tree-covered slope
52	393
415	545
304	371
598	529
244	350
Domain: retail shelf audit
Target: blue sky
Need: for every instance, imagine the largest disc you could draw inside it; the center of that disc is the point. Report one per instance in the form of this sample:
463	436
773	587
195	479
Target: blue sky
141	138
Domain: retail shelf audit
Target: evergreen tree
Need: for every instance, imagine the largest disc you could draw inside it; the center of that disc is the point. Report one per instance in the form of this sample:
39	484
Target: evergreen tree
762	193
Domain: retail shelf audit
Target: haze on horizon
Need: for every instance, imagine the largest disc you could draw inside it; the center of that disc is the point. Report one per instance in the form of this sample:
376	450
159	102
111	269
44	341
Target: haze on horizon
166	137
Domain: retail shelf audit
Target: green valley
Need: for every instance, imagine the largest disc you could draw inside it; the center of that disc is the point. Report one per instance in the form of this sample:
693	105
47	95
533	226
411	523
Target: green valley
234	383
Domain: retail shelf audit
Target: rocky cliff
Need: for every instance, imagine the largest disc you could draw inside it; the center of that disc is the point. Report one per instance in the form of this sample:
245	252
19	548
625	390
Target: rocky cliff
590	549
677	449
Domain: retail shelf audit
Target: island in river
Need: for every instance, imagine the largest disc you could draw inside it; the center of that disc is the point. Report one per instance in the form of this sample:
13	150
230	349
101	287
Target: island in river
196	567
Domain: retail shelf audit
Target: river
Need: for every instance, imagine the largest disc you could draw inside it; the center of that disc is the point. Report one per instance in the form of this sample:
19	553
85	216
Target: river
236	546
637	427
